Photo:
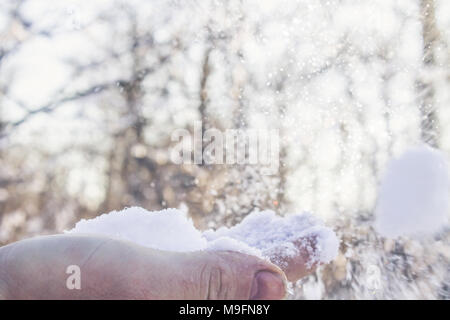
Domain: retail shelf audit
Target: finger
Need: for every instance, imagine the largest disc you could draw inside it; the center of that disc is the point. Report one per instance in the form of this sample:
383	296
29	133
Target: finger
300	264
237	276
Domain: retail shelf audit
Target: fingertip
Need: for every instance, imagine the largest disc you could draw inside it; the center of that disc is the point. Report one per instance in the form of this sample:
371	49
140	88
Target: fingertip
268	286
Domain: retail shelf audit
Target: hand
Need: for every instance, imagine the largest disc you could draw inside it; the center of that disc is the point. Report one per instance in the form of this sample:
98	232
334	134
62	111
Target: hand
115	269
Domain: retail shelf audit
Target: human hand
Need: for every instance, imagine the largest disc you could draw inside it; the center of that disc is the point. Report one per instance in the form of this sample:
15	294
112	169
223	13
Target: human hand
115	269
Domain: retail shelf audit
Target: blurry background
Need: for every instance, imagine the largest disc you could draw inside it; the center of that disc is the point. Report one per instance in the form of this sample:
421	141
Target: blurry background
90	92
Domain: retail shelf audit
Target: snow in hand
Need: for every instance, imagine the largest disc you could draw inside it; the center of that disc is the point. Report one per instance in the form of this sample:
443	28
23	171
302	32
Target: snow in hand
414	194
263	234
280	237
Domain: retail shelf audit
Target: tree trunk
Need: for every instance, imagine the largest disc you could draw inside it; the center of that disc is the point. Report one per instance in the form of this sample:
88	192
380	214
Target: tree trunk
429	119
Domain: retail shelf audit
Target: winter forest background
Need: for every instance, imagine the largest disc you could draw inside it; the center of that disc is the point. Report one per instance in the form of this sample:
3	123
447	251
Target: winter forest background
90	92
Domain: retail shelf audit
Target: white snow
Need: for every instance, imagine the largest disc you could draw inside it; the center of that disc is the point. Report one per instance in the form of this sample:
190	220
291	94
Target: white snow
263	234
226	243
274	235
414	194
166	230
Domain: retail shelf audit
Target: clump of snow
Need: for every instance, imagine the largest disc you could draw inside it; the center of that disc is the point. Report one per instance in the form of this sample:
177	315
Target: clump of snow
226	243
414	194
280	237
263	234
165	230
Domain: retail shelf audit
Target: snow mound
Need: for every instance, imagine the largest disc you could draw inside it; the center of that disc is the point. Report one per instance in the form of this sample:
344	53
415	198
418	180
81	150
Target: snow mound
263	234
275	236
165	230
414	194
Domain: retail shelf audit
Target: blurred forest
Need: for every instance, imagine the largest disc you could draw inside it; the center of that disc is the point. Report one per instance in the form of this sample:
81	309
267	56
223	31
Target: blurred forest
90	92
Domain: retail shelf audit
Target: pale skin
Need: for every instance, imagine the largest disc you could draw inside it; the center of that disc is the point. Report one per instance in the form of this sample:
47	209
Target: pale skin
116	269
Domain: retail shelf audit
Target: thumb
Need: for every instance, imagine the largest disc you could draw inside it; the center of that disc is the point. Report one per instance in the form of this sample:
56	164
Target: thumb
238	276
